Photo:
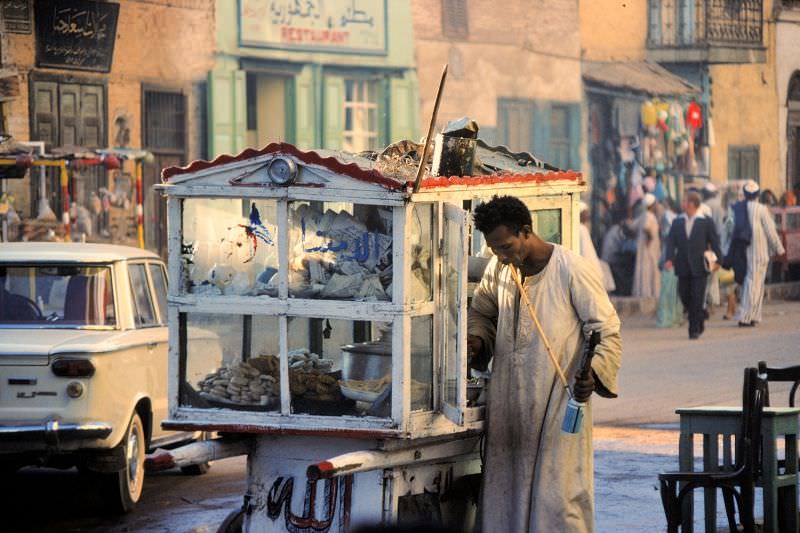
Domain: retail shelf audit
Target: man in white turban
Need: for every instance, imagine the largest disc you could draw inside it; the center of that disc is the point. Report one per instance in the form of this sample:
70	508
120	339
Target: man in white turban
646	275
764	243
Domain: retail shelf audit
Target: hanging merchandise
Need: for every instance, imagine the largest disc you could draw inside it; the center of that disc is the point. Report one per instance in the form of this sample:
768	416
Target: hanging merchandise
649	117
694	115
662	116
677	127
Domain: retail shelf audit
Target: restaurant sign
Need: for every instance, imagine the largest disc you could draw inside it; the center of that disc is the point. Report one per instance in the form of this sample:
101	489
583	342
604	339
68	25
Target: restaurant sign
354	26
75	34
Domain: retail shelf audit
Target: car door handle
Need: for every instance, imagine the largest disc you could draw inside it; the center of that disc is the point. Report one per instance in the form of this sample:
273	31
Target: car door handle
152	345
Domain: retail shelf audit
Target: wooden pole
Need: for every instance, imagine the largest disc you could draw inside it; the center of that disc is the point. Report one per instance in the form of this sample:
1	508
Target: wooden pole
532	311
424	157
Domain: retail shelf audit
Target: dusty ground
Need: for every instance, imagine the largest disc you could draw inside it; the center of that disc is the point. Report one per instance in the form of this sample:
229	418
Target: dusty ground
635	438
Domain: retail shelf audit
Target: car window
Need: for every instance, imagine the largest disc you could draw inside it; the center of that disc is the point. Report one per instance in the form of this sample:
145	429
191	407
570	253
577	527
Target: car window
47	295
143	311
160	289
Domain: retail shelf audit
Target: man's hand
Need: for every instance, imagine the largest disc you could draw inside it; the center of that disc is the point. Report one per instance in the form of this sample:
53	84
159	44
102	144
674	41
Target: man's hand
583	388
667	265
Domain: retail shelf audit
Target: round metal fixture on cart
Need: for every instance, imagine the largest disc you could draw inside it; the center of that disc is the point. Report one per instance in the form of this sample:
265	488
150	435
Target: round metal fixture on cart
282	171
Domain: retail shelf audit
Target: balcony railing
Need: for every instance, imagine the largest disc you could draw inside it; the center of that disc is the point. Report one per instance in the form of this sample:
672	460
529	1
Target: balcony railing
703	23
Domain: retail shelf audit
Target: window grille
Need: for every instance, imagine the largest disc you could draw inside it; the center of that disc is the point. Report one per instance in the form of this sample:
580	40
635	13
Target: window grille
165	121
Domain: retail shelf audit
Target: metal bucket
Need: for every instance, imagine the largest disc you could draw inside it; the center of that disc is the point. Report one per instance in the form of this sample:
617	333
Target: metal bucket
453	156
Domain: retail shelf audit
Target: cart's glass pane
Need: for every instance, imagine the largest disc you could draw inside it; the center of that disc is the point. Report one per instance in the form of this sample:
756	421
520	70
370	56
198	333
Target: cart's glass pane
421	249
231	362
340	251
340	367
422	363
453	245
547	224
229	247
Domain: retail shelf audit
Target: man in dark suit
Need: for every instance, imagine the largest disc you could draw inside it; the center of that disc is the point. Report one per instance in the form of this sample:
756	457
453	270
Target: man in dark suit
689	237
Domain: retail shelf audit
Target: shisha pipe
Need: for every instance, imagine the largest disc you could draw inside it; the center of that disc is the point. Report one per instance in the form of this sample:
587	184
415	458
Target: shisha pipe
573	418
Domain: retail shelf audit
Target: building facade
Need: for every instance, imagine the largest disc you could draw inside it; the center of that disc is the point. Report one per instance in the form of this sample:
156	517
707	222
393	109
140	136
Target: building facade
787	51
515	70
337	74
128	74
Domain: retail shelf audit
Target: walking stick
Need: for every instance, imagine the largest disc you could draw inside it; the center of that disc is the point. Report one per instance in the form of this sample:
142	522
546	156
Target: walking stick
573	419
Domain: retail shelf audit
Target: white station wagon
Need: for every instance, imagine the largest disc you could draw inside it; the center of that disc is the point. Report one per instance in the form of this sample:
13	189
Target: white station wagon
83	361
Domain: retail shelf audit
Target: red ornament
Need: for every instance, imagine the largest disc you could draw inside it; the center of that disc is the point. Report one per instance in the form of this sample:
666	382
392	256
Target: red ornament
111	162
694	115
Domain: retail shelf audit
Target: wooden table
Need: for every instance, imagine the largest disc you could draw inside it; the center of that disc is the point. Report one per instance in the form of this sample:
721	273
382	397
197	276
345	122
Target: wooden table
714	422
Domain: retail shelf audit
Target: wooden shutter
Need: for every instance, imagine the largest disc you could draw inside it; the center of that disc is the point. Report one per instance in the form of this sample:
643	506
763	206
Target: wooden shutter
304	109
750	163
402	111
91	115
45	102
227	94
334	112
574	136
69	104
541	131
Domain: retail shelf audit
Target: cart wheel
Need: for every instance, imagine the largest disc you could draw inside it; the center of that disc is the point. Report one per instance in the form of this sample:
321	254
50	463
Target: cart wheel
125	486
233	523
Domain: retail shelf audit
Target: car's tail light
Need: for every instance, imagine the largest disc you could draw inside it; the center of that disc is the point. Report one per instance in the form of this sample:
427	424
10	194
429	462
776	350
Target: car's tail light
73	368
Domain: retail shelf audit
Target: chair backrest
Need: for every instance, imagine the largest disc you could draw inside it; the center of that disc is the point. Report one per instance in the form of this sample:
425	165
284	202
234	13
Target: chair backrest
789	374
754	394
76	299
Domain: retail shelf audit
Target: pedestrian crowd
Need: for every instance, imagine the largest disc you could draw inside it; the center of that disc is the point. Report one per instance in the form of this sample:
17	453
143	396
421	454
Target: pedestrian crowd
714	249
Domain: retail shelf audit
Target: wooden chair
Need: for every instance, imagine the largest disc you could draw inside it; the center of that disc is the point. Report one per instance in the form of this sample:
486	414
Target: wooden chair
738	484
790	374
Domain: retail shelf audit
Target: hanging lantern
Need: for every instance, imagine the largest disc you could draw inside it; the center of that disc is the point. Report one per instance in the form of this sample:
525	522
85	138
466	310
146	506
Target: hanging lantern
111	162
694	115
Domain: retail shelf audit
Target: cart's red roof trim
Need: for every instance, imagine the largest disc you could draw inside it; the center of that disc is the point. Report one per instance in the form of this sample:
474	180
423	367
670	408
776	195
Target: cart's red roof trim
310	158
369	175
490	179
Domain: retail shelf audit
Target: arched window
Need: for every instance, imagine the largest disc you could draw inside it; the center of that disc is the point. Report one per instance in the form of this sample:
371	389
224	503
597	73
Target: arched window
793	131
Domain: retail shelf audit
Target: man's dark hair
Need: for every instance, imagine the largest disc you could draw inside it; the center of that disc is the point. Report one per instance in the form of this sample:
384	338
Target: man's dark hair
505	211
693	197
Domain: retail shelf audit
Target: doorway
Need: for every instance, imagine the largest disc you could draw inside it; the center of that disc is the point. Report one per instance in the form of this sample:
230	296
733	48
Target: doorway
165	137
267	97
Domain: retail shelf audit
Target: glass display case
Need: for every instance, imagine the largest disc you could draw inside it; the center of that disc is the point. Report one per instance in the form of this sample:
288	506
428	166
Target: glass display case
339	297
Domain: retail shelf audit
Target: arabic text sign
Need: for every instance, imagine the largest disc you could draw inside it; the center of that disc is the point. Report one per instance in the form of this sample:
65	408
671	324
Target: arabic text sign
75	34
332	25
16	15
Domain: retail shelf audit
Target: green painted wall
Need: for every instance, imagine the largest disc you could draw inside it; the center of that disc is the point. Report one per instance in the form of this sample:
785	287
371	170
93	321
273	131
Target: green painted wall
315	93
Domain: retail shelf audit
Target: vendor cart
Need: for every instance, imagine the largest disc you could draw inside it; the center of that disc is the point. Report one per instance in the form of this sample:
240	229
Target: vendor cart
340	299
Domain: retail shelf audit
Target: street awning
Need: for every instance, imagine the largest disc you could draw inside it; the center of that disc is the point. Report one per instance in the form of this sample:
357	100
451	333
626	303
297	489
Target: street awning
643	77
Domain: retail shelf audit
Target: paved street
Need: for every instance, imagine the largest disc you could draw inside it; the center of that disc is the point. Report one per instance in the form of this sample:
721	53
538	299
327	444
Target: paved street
635	437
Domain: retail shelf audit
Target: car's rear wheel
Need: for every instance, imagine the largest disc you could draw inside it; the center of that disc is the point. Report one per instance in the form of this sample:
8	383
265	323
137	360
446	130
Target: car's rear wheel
126	485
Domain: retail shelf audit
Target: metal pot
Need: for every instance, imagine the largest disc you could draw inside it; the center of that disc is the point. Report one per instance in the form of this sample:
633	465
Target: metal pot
366	360
373	360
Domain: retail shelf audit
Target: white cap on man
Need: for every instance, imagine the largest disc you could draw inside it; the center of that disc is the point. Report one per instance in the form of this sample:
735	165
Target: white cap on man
710	187
751	187
582	206
649	199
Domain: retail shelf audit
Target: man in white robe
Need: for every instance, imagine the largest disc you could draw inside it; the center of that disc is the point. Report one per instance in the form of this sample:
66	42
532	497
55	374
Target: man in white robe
646	275
537	478
588	251
765	242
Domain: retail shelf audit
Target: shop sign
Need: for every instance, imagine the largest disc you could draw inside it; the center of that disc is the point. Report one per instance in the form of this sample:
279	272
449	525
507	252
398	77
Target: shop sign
76	34
352	26
16	16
